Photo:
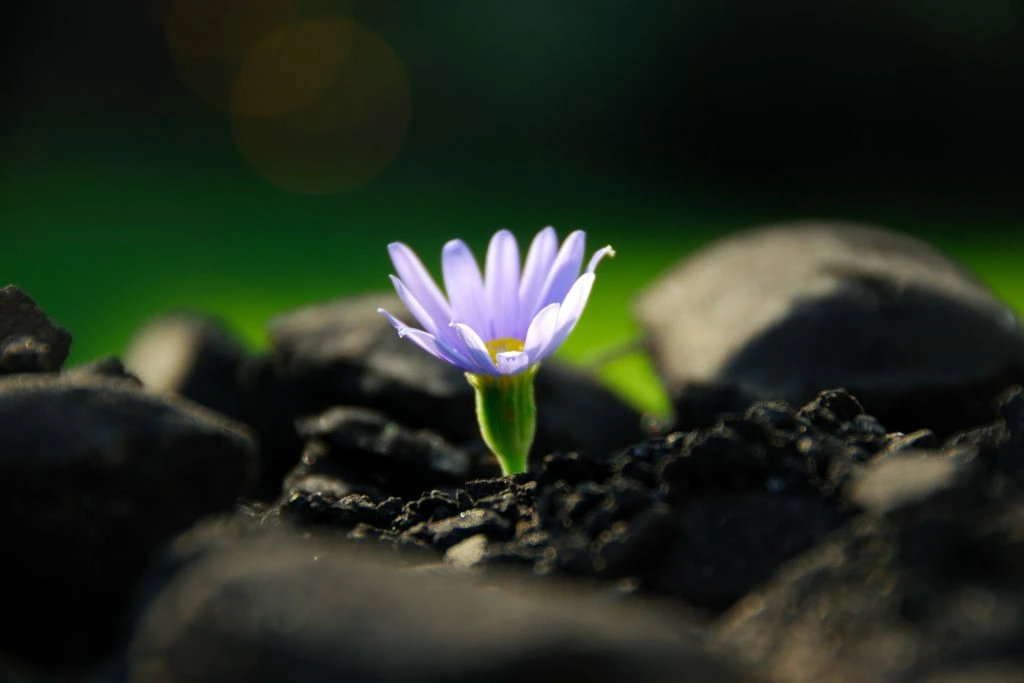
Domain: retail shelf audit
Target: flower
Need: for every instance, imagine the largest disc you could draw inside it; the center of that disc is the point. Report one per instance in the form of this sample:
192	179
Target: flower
506	321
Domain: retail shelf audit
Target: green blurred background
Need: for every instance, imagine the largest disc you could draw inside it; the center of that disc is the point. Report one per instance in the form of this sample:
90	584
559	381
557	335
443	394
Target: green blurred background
244	157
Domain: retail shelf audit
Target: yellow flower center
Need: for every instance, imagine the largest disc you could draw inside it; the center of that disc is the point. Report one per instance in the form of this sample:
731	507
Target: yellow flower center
502	345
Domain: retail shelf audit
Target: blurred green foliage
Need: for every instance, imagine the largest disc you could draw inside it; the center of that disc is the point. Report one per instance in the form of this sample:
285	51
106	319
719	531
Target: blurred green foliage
655	126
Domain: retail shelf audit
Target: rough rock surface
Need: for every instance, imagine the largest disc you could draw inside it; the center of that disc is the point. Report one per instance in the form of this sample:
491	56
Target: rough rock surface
280	608
786	311
95	474
925	586
29	340
703	516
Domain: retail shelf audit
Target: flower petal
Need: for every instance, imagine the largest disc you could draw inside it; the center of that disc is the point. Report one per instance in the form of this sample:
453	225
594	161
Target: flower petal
598	255
476	350
535	272
420	284
512	362
424	340
501	284
542	329
564	270
570	311
464	285
414	306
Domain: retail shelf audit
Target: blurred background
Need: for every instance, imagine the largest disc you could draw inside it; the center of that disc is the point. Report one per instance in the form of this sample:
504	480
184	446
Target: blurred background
245	157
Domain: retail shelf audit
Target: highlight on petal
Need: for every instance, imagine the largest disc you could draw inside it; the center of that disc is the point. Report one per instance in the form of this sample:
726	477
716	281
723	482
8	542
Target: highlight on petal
464	285
417	279
475	350
511	362
598	255
535	273
501	285
540	333
571	310
564	270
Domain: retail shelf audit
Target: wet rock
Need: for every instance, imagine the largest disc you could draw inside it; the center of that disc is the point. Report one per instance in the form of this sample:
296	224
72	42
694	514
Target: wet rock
345	353
281	609
95	474
926	586
786	311
29	340
191	355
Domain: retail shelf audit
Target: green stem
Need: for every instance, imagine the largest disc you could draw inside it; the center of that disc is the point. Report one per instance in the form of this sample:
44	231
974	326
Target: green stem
507	414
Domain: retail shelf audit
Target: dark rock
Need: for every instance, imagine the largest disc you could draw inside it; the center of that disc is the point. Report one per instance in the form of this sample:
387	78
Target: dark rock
345	353
703	516
478	521
189	354
29	340
785	311
270	406
107	366
926	586
96	473
368	451
281	609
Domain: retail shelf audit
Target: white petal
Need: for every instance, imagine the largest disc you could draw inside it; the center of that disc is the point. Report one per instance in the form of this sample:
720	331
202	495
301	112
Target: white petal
511	362
501	284
535	273
464	285
476	350
542	329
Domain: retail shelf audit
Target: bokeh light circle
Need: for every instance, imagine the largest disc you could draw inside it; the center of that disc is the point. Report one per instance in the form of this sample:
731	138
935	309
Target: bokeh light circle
209	39
320	106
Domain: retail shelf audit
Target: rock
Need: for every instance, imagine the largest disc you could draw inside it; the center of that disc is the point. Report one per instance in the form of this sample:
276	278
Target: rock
365	450
785	311
107	366
191	355
345	353
95	474
279	609
925	586
29	340
703	517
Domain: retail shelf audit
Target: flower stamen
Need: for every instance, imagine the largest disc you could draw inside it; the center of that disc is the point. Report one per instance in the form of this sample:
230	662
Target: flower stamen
502	345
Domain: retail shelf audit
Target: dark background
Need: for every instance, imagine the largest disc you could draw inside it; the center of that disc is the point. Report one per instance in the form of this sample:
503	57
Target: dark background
129	187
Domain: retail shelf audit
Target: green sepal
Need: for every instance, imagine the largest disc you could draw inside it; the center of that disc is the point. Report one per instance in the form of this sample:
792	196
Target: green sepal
507	414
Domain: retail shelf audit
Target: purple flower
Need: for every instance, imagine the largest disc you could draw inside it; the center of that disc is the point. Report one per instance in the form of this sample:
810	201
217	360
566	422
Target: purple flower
505	321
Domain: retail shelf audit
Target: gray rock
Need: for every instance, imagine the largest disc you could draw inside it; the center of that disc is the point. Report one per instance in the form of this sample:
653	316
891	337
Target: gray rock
785	311
926	586
29	340
281	609
96	473
344	352
189	354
